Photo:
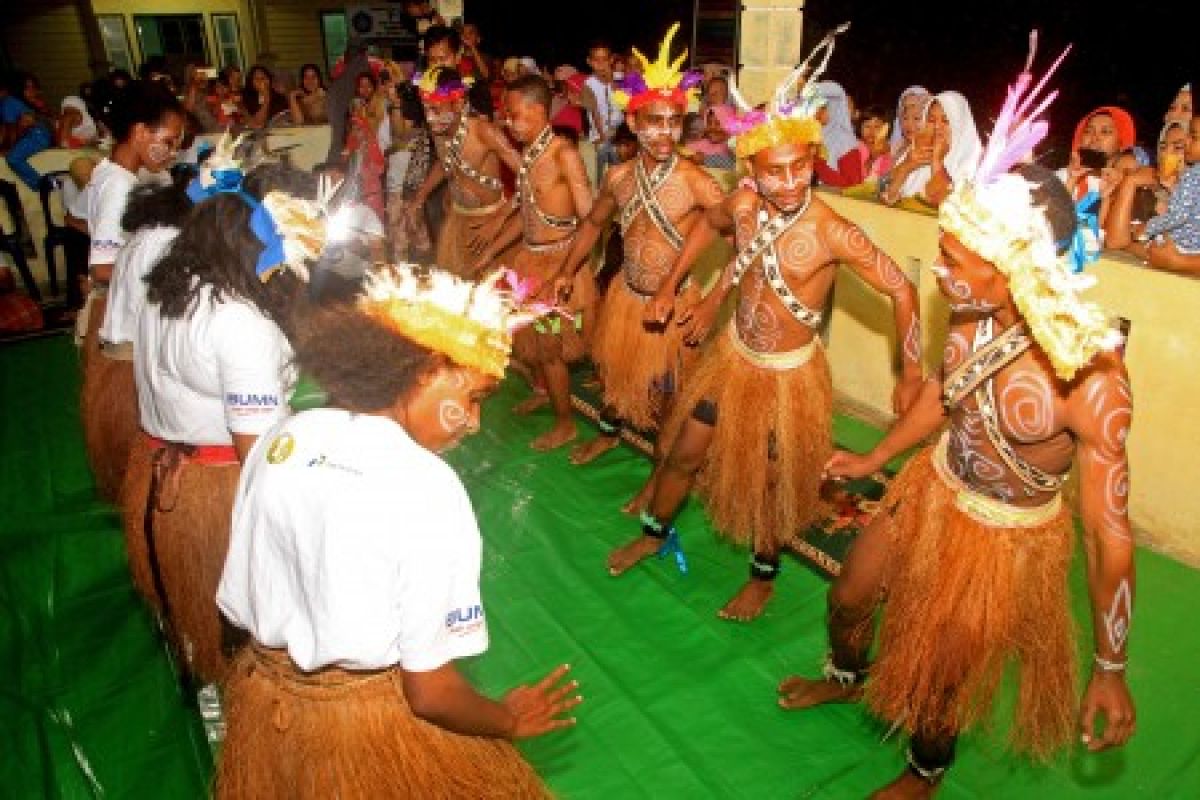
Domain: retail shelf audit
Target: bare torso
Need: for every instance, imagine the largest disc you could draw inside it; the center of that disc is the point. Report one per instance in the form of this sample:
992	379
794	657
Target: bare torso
683	196
808	253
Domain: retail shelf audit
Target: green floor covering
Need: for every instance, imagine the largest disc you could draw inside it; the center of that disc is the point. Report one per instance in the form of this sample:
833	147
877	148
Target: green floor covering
678	703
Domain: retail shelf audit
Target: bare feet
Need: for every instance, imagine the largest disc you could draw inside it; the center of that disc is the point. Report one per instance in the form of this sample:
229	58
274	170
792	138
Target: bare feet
797	693
532	403
640	501
562	432
588	452
906	787
749	602
625	557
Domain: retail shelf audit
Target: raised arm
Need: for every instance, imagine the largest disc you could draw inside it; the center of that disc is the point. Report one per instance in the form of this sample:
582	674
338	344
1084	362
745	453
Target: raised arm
1100	411
851	246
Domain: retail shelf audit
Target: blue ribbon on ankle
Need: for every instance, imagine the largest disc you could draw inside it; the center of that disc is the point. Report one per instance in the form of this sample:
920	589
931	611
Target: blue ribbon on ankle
672	546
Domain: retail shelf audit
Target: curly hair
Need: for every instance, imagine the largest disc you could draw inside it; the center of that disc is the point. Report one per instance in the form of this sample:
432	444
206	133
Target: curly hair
362	364
141	103
216	248
1052	197
151	205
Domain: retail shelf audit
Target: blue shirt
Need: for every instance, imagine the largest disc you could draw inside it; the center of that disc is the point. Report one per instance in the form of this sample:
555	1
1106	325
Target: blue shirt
12	108
1182	220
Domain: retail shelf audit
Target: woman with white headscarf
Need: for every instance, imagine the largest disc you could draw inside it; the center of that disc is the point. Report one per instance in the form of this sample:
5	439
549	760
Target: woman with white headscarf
943	152
908	118
842	165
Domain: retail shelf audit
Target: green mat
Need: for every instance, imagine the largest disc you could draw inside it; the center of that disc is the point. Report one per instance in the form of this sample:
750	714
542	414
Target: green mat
678	703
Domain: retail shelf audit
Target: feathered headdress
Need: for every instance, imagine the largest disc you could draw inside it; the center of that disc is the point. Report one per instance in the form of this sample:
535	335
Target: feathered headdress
221	172
790	116
994	214
294	230
427	87
660	79
470	323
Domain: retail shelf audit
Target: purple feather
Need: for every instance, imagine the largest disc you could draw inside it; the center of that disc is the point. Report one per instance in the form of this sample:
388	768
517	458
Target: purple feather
693	77
633	83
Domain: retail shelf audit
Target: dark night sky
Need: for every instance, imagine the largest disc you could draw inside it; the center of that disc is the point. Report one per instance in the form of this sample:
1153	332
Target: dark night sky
975	48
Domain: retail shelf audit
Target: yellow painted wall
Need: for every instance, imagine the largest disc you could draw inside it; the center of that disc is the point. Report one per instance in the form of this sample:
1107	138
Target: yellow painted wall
1162	354
294	31
132	8
46	38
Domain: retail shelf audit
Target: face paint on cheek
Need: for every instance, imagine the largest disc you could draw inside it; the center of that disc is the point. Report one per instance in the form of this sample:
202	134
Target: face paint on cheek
158	152
452	417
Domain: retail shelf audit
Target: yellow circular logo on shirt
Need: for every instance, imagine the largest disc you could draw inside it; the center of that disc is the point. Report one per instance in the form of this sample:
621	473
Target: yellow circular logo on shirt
281	448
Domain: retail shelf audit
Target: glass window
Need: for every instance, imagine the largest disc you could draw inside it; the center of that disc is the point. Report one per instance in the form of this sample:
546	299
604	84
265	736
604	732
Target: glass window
179	38
229	41
333	34
116	41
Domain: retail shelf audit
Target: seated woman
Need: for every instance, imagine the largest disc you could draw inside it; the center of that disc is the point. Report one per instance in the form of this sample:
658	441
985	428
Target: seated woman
873	146
307	103
842	165
1103	140
945	147
1181	108
76	127
358	580
260	101
1144	193
1173	238
907	122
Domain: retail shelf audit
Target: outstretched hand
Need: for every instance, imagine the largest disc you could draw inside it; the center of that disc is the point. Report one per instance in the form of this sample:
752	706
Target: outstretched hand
1106	699
844	464
537	709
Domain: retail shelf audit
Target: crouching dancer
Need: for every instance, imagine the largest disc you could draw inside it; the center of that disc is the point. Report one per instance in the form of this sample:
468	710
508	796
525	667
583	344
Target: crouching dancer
973	541
354	566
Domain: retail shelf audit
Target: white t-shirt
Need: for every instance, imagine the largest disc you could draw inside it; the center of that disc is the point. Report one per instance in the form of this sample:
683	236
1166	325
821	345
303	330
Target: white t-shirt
105	199
86	130
606	109
353	546
220	370
127	291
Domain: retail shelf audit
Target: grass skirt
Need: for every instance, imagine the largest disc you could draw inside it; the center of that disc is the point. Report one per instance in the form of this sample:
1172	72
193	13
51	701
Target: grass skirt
762	474
192	539
107	407
635	361
461	226
534	347
348	735
965	601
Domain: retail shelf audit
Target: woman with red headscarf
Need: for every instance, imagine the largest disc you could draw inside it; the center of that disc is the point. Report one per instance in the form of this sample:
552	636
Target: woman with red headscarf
1101	152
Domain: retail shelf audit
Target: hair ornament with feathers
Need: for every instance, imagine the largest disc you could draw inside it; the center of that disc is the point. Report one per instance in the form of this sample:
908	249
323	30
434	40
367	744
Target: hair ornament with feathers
221	172
790	116
995	215
430	92
660	79
470	323
295	230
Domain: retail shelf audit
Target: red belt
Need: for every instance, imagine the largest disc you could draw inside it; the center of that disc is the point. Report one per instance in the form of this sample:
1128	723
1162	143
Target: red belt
208	455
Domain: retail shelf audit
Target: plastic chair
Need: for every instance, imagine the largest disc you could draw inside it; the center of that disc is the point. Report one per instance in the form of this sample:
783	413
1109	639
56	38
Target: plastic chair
73	242
13	242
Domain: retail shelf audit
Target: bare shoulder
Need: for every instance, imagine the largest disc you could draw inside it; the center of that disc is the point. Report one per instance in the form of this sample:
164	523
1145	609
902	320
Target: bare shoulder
618	173
700	180
743	201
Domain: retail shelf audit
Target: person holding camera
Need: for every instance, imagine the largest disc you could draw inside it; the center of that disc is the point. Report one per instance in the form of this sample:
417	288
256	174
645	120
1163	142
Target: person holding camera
1101	153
